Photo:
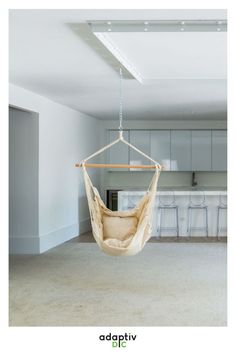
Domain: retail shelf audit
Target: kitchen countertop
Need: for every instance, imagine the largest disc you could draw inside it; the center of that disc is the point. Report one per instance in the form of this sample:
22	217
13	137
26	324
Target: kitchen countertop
192	189
164	189
213	191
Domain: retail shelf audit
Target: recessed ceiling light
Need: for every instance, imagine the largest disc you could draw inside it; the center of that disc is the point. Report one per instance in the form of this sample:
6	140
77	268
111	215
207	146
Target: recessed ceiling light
182	22
218	29
146	22
181	29
219	22
109	29
109	23
145	29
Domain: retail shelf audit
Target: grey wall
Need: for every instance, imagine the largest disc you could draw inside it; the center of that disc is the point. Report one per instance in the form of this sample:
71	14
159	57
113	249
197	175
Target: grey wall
23	179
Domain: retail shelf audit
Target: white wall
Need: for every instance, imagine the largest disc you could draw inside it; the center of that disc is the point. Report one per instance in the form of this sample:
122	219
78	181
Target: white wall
23	180
65	137
140	180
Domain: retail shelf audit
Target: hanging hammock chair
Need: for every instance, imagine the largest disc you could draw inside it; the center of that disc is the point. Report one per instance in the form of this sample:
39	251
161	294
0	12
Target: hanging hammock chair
120	233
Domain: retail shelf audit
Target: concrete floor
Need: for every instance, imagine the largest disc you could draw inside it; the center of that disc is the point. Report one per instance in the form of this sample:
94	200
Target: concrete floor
75	284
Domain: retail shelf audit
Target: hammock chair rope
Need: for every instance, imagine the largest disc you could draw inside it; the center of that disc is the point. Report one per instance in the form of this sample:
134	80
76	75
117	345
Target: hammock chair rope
121	102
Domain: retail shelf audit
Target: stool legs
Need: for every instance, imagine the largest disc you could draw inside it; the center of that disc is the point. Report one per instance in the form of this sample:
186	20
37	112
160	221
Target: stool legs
218	220
190	228
177	222
176	227
207	222
159	229
189	222
218	223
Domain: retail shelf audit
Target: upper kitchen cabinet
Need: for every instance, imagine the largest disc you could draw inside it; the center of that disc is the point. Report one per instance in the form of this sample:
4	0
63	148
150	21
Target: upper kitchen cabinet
119	153
180	152
141	140
160	147
201	150
219	150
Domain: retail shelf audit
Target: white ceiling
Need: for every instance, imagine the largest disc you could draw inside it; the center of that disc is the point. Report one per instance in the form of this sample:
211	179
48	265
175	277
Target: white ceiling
184	73
174	55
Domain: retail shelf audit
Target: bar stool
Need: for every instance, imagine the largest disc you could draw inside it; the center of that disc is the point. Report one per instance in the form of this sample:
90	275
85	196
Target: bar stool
221	206
193	205
171	205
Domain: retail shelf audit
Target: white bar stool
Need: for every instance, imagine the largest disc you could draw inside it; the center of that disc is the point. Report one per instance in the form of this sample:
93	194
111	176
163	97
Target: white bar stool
193	206
221	206
170	205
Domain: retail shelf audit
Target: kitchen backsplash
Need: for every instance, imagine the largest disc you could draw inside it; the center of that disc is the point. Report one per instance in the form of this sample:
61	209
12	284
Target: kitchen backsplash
167	179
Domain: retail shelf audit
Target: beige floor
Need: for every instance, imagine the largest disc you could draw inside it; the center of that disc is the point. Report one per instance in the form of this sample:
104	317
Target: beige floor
75	284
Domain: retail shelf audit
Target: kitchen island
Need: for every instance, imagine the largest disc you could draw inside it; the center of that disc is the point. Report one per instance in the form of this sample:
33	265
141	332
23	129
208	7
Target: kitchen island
182	198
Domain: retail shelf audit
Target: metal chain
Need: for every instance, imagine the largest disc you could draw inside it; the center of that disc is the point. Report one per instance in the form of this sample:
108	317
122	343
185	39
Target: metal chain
121	103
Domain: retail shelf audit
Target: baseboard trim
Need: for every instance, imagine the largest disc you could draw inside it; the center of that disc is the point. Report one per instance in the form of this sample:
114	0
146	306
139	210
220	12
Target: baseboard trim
37	245
24	245
58	237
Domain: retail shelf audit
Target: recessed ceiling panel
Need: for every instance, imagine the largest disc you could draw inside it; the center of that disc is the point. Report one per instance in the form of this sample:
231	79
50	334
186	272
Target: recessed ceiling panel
170	55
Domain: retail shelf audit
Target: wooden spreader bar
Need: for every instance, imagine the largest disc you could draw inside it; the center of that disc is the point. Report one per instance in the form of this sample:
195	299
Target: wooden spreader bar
98	165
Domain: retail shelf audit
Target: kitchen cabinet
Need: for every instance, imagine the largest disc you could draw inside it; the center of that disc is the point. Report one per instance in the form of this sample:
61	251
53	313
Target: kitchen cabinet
180	152
219	150
201	150
175	150
119	153
141	140
160	147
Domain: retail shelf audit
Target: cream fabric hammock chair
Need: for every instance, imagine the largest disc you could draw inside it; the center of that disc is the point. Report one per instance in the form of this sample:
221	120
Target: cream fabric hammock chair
121	233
